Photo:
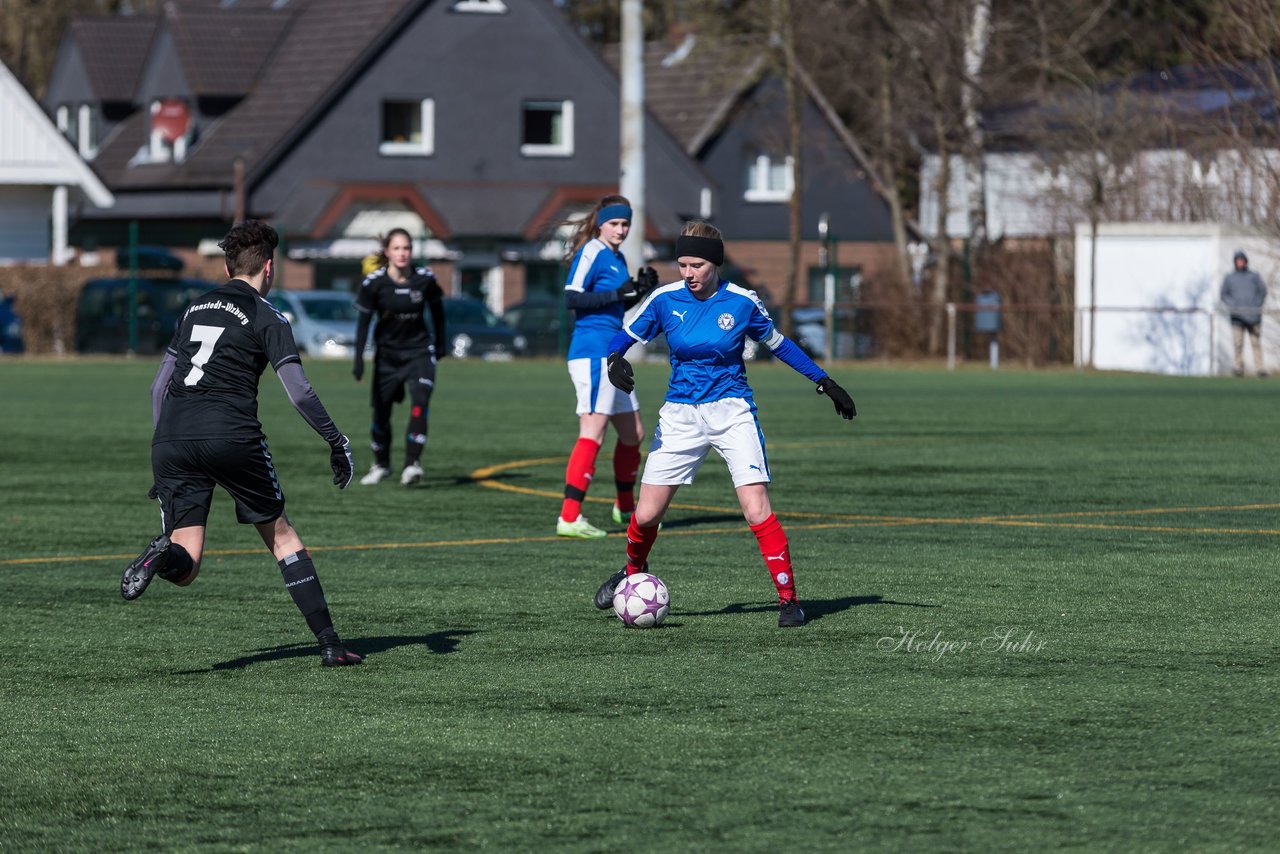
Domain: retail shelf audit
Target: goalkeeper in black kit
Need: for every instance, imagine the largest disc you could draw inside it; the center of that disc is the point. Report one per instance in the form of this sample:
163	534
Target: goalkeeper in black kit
204	402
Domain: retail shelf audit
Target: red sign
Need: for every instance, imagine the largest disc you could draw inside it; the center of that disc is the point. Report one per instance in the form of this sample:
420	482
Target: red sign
171	119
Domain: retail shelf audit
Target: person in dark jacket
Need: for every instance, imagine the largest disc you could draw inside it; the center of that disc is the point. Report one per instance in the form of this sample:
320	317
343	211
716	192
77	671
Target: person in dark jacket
398	297
1243	293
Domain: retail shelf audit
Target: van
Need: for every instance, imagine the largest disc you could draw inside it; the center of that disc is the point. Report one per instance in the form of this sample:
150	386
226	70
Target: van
102	315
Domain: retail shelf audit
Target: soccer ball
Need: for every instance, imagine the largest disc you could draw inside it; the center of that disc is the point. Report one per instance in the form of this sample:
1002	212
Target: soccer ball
641	601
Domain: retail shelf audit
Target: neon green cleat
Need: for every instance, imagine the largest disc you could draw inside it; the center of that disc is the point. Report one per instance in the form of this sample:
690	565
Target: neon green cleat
620	517
580	529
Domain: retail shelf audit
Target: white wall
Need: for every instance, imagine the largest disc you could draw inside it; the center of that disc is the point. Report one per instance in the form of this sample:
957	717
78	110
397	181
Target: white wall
1144	267
24	224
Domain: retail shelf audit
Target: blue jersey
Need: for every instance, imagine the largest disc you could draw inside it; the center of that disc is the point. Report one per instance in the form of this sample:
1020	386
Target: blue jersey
705	338
596	268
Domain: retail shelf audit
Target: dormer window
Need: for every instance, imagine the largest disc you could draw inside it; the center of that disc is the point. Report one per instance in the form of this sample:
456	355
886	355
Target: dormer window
408	128
547	129
769	179
80	126
67	118
170	131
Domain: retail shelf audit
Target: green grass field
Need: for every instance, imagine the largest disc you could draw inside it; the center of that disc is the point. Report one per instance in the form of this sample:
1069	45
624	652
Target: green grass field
1115	534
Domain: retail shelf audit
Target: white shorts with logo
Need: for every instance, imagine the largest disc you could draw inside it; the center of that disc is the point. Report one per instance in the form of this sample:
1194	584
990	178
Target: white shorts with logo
687	431
595	392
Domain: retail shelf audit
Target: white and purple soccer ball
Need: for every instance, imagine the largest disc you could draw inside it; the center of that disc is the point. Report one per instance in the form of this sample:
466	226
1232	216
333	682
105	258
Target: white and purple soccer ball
641	601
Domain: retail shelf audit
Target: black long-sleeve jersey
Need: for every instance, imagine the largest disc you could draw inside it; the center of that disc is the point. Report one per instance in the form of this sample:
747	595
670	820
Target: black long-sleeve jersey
401	311
208	380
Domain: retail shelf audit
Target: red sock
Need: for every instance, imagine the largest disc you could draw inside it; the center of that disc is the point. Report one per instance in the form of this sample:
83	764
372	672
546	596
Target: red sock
777	556
639	542
626	462
577	477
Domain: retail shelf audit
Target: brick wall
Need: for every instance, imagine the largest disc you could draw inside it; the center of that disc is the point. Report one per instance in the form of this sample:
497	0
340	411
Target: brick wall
765	262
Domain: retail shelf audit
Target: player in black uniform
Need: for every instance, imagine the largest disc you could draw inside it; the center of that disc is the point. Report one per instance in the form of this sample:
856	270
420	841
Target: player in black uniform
204	402
397	294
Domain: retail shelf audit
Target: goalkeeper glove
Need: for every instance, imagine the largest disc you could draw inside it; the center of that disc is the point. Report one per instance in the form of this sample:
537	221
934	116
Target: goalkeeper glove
357	370
620	373
840	397
342	463
648	280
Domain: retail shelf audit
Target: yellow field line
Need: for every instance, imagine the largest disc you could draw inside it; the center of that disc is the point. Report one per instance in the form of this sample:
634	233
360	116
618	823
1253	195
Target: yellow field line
485	477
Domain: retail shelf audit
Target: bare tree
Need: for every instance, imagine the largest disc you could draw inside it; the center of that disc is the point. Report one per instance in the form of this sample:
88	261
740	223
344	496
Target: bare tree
31	30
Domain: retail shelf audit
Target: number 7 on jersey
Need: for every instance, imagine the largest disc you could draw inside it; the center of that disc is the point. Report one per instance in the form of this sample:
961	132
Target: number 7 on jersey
206	337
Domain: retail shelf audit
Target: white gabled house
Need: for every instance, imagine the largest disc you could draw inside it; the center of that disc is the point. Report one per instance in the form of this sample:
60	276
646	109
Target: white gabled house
41	177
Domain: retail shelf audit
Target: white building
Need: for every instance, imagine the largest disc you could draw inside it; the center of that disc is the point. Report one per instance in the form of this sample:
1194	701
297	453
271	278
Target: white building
41	176
1157	289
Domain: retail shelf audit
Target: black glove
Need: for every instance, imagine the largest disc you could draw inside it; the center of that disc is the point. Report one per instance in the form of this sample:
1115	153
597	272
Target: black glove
342	463
357	370
648	280
154	492
840	397
620	373
629	293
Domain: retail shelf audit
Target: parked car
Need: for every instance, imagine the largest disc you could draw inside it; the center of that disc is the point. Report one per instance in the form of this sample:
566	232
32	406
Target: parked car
809	323
545	324
102	315
10	327
474	330
324	322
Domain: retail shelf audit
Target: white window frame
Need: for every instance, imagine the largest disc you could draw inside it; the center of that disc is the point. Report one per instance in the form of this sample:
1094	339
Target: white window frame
758	189
562	149
427	147
488	7
86	143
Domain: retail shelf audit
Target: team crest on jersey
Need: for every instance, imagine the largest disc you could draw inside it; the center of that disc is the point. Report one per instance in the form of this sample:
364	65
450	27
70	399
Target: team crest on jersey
725	321
415	297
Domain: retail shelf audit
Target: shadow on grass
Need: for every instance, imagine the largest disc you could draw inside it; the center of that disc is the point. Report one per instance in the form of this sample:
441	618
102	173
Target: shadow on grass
814	609
690	521
441	643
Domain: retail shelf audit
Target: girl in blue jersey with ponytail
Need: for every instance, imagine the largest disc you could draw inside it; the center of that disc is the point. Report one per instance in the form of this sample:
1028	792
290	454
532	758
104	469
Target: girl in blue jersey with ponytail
599	291
709	405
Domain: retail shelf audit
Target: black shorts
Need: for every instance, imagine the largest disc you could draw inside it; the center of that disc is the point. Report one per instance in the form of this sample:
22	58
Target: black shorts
1250	326
185	473
393	372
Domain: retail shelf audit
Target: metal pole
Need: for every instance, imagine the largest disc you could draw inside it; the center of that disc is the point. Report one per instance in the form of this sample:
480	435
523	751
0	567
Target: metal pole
1213	348
951	336
133	287
631	181
828	290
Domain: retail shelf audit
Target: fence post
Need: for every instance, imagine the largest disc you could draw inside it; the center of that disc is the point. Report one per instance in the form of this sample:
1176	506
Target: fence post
1213	348
1078	338
951	336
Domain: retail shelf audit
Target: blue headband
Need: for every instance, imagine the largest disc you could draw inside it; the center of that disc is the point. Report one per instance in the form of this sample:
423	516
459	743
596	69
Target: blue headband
609	212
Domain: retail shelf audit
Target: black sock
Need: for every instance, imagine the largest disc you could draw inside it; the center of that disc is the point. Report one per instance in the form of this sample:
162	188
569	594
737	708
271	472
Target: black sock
179	565
303	584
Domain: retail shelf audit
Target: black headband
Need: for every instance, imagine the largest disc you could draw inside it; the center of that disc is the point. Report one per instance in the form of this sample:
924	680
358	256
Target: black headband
701	247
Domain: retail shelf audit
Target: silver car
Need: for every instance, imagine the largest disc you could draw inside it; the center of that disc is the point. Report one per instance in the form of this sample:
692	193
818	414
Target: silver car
324	322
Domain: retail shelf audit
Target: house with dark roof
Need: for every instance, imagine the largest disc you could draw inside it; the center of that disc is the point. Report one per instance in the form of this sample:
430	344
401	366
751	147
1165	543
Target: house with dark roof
482	126
727	107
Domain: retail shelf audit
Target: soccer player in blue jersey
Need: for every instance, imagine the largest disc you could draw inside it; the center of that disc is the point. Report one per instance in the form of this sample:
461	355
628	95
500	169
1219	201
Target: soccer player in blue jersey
599	292
709	405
